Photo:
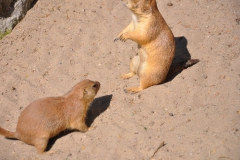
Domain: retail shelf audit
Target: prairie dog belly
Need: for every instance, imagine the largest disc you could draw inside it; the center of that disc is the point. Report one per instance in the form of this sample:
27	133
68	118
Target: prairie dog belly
135	22
143	61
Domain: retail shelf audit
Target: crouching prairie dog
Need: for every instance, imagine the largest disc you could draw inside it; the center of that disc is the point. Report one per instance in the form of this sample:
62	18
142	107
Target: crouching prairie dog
47	117
156	45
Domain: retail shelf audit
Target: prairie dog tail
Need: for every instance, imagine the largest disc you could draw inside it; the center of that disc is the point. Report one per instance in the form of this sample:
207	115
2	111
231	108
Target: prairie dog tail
179	67
8	134
191	62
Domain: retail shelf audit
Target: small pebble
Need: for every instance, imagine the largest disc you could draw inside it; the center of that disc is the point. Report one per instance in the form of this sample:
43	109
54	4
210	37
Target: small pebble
238	20
170	114
139	96
170	4
204	76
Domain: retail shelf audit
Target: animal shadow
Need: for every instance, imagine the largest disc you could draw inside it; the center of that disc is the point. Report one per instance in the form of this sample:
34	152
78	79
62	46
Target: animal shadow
98	106
182	59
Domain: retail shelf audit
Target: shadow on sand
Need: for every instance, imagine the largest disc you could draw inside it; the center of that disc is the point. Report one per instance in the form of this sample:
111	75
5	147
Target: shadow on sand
182	59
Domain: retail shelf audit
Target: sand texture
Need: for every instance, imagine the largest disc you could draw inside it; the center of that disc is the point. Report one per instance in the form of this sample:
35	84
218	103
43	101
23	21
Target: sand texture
196	114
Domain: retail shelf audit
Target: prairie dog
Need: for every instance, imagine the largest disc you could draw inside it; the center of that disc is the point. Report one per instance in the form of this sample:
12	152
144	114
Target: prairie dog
156	45
47	117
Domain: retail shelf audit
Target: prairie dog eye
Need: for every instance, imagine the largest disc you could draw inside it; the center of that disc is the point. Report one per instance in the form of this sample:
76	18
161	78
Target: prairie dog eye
96	85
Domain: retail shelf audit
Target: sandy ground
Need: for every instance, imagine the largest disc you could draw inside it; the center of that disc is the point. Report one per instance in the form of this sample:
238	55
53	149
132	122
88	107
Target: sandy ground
196	114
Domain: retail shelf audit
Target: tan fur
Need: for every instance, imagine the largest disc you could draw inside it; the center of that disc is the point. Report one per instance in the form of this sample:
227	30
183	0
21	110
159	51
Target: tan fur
156	45
47	117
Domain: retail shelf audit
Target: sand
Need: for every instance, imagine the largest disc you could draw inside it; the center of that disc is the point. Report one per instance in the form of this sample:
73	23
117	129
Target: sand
196	114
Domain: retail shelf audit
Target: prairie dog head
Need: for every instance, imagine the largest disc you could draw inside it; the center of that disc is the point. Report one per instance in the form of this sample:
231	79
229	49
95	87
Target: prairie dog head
86	90
90	89
139	6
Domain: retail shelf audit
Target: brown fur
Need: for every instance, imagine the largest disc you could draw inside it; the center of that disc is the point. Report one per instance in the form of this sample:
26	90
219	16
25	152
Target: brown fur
155	42
47	117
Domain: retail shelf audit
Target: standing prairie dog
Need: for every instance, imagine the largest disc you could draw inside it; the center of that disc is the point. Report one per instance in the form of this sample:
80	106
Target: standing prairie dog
156	45
47	117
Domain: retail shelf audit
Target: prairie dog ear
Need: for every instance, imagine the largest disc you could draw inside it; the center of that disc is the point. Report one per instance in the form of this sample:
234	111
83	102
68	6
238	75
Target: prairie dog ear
147	1
85	91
